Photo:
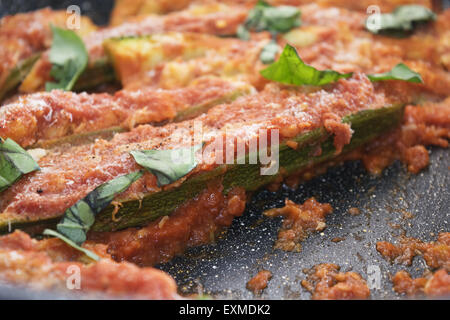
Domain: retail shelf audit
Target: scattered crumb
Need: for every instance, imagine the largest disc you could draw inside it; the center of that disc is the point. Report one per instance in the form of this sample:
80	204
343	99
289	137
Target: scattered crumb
337	239
437	284
407	215
259	282
436	254
300	220
325	282
354	211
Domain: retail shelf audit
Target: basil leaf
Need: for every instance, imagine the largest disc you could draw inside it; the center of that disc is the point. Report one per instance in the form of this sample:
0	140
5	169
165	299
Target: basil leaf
269	52
281	19
167	165
254	20
69	58
401	21
14	163
80	217
290	69
399	72
264	17
87	252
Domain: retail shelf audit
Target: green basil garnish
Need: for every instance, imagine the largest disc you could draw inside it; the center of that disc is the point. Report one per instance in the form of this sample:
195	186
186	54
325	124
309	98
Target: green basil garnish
14	163
69	58
264	17
167	165
290	69
87	252
399	72
401	21
80	217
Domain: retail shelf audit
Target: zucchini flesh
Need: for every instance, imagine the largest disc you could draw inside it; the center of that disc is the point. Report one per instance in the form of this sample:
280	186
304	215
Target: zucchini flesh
133	56
366	124
173	60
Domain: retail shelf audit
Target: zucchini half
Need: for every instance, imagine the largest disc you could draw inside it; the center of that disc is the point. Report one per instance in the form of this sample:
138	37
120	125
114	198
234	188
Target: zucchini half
366	124
185	114
43	18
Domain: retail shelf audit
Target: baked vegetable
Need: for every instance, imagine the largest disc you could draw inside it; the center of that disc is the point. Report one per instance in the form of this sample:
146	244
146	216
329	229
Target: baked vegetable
204	18
135	58
302	119
52	118
367	125
24	38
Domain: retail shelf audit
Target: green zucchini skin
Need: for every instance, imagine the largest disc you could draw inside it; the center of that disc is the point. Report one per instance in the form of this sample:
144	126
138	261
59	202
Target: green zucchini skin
366	124
18	74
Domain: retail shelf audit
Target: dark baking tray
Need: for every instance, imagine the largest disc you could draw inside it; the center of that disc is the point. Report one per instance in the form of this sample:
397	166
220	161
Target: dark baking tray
222	269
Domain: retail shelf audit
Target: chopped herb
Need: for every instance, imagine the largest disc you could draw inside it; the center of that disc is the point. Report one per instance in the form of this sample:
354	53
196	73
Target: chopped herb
14	163
80	217
399	72
69	58
264	17
401	21
87	252
290	69
167	165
